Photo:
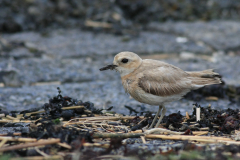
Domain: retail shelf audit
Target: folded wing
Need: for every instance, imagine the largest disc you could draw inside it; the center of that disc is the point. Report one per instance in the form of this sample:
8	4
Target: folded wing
165	81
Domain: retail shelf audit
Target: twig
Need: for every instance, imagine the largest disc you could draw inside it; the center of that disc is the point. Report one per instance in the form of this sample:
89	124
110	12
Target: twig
117	135
198	112
111	157
19	116
3	142
166	131
137	131
63	108
211	98
55	157
12	118
96	145
142	120
39	143
41	152
100	118
187	115
143	139
72	107
10	121
18	139
231	142
94	24
161	131
198	133
205	139
14	121
204	129
65	145
186	136
96	119
5	121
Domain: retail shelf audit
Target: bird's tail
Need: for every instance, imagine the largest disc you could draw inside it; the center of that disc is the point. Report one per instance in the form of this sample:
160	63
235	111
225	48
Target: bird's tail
203	78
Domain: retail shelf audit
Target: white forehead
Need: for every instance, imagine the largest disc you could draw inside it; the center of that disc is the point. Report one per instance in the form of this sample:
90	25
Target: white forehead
125	54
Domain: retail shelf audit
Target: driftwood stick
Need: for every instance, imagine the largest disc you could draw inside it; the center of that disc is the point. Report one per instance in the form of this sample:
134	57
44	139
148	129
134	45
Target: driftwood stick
94	24
166	131
105	118
41	152
72	107
102	118
143	139
63	108
231	142
96	145
112	157
184	137
26	145
37	112
65	145
19	116
55	157
204	129
198	113
198	133
117	135
3	142
137	131
10	117
187	115
97	119
18	139
15	121
5	121
161	131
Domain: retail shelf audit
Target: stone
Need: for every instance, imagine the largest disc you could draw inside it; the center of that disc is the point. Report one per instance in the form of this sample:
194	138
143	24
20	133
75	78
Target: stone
9	78
218	35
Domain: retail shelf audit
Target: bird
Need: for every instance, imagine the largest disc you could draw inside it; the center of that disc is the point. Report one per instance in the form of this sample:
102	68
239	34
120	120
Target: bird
156	82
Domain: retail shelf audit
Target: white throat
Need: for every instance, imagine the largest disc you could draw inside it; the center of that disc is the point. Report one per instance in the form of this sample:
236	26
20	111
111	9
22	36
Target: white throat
124	71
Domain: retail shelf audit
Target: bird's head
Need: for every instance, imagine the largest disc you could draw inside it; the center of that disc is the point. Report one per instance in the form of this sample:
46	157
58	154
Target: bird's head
125	63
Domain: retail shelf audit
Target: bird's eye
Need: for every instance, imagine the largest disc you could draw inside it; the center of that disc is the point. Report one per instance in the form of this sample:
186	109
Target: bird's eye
124	60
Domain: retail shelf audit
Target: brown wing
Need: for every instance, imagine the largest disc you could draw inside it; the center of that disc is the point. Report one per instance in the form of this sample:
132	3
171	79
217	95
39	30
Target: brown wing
164	81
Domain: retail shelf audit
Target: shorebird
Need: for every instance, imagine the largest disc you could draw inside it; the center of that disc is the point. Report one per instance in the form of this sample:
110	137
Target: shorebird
155	82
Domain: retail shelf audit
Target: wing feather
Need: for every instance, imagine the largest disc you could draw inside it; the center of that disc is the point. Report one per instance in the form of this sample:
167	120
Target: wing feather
164	81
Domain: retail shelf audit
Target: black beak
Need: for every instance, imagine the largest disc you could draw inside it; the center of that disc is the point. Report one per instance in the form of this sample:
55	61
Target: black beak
111	66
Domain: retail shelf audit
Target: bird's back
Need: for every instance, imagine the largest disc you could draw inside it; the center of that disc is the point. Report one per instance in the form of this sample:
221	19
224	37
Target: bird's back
159	82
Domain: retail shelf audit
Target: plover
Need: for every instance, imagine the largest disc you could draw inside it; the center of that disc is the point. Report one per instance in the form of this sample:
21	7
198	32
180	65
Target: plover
155	82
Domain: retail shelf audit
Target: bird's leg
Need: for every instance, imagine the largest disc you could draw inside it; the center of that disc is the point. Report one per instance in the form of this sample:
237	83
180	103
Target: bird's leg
155	118
162	115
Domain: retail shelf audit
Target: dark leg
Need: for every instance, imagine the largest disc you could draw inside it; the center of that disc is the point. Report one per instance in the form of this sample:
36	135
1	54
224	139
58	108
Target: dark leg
162	115
155	118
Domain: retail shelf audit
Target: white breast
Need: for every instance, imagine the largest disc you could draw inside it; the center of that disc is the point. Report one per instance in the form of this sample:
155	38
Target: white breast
155	100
